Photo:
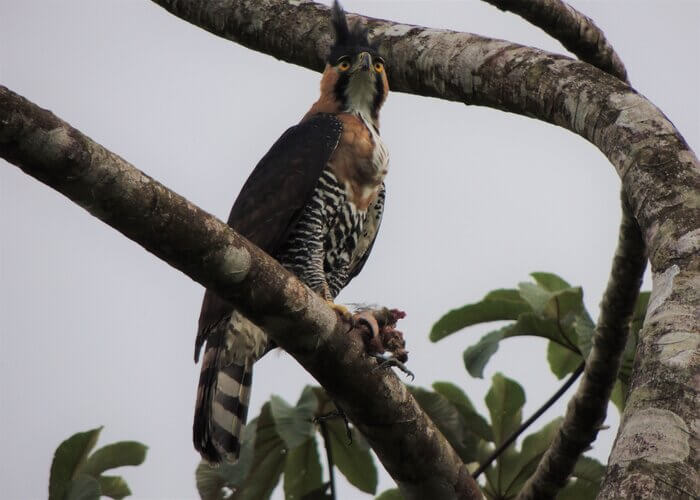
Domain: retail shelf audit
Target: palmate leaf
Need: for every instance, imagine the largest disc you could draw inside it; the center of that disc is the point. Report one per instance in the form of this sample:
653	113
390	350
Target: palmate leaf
533	448
267	464
302	471
449	421
562	361
473	421
113	487
505	402
294	423
69	458
393	494
548	308
211	479
115	455
587	477
354	460
83	487
497	305
550	281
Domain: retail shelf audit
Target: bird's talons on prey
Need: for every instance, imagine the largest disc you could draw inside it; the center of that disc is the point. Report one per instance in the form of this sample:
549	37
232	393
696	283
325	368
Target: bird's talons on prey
388	360
336	414
382	340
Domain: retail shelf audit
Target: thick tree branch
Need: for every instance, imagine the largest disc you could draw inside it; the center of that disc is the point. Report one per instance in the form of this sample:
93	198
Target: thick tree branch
587	409
661	179
576	32
410	447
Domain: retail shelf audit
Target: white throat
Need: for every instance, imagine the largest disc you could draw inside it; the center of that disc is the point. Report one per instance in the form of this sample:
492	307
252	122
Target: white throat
360	93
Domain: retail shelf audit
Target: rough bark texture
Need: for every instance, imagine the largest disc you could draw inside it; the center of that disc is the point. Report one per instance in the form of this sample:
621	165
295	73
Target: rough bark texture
575	31
660	174
413	451
587	409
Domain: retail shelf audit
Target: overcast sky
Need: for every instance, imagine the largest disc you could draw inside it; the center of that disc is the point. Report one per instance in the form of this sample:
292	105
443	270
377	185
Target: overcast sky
96	331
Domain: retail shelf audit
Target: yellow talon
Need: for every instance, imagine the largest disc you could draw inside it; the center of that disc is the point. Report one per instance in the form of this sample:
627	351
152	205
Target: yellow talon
340	309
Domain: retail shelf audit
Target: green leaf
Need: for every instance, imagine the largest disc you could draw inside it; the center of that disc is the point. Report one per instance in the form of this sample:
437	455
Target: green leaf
585	329
355	462
497	305
536	296
68	460
114	487
640	312
588	475
449	421
560	331
550	281
115	455
321	493
476	356
269	456
83	487
533	448
210	479
294	423
393	494
209	482
505	401
562	361
473	422
619	395
302	471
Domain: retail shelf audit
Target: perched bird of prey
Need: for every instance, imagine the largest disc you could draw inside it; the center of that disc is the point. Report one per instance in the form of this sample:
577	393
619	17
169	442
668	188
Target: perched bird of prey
314	202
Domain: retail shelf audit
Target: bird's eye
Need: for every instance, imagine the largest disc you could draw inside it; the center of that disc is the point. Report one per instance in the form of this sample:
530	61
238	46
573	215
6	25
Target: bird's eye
344	66
378	67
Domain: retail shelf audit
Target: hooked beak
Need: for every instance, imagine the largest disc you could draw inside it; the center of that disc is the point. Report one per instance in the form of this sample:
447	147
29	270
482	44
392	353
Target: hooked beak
364	61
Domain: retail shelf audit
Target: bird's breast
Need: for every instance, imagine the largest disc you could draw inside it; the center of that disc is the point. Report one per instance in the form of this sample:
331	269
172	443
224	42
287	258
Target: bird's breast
361	160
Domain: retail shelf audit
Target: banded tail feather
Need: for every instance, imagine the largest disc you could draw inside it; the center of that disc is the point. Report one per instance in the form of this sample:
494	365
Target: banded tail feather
223	397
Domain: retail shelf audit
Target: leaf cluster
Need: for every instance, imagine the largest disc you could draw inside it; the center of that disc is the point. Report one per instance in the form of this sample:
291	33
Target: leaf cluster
474	437
549	308
282	443
77	475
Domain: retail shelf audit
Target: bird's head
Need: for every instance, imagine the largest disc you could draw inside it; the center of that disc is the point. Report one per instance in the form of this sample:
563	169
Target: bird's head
355	76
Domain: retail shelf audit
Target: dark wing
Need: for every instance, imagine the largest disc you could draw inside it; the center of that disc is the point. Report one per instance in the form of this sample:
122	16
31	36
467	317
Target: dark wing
369	236
274	196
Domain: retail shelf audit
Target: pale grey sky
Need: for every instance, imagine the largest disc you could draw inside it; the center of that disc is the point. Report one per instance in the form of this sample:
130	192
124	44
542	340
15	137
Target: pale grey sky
95	331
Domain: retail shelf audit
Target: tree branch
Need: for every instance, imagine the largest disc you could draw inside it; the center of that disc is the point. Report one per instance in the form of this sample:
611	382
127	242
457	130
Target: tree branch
576	32
587	409
409	446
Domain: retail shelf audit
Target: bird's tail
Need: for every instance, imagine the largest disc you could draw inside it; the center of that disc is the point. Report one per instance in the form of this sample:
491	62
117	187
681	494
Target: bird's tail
222	406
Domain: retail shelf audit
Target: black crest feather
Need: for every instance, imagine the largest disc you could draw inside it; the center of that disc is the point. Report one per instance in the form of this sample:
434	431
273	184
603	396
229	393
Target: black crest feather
348	41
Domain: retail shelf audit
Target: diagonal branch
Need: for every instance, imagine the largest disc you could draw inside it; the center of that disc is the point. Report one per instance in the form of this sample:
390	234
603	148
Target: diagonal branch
576	32
410	447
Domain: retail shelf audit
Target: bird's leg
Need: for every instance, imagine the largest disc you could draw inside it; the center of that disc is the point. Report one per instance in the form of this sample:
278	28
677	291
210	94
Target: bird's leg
339	308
